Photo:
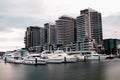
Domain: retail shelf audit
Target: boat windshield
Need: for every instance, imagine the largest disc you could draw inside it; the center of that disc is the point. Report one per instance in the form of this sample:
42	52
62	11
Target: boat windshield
73	53
8	55
35	56
47	53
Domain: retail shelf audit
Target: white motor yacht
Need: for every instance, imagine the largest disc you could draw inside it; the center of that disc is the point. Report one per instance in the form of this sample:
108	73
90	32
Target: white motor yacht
87	55
34	59
51	57
65	57
21	56
13	57
46	53
54	59
8	57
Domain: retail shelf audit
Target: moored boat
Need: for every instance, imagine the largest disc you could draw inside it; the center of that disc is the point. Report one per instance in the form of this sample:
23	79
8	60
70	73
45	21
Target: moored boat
34	59
12	57
65	57
87	55
50	57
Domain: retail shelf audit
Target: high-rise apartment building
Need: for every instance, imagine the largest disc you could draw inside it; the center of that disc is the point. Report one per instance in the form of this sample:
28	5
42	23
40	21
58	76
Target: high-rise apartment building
89	26
34	36
65	28
50	33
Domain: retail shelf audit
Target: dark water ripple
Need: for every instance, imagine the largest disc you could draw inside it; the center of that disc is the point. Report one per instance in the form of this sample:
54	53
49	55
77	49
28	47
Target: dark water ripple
104	70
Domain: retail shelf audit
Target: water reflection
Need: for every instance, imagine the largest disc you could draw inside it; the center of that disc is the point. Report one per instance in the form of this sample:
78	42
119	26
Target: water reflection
112	70
10	72
104	70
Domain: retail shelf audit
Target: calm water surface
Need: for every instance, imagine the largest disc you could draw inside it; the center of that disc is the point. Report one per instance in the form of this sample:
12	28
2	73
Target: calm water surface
104	70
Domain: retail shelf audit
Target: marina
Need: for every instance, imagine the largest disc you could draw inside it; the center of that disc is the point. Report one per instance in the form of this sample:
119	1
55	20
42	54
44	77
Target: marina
50	57
59	65
59	40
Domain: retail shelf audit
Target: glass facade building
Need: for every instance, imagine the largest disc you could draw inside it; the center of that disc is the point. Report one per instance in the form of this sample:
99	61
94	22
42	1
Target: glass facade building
34	36
110	45
89	26
65	28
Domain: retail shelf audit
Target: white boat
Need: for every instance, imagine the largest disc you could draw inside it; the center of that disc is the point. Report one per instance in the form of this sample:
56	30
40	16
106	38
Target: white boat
23	57
65	57
51	57
46	53
8	57
15	56
87	55
54	59
12	58
34	59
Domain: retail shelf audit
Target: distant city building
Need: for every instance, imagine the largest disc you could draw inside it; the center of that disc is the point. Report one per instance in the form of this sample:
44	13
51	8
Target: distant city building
111	45
34	36
65	28
82	33
86	44
70	47
89	26
50	33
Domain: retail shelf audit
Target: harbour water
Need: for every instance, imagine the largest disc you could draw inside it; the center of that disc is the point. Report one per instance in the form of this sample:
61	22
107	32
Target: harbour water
92	70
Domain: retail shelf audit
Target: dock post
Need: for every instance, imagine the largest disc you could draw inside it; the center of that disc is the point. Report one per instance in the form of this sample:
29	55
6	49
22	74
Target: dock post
99	57
5	59
35	61
64	59
84	58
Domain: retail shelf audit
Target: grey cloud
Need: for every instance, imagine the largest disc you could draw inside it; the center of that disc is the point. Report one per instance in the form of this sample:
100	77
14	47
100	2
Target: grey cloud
16	39
22	13
8	22
22	7
111	26
112	20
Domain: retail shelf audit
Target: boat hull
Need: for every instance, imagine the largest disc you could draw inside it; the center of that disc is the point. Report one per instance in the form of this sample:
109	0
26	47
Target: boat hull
34	62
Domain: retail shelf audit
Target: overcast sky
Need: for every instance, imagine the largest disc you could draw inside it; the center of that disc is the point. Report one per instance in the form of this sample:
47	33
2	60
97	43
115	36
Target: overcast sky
16	15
